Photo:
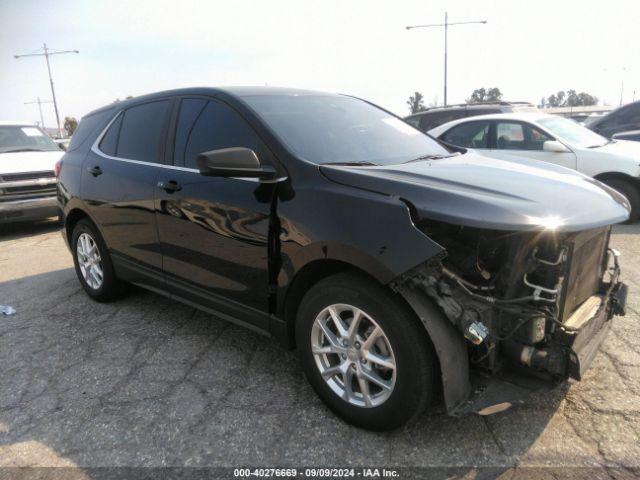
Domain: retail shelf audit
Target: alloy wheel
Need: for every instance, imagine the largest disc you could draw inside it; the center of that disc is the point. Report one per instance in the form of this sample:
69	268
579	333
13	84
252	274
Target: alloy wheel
89	261
353	355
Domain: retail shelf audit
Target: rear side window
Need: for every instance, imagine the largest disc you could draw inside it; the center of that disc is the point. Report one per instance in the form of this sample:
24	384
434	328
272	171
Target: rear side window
141	132
205	125
435	119
473	112
469	135
86	127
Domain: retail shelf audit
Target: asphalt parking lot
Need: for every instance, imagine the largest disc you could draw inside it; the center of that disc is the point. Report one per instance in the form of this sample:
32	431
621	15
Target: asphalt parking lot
148	382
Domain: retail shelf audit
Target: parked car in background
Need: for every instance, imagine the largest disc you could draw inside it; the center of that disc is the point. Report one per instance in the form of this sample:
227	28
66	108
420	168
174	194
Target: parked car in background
552	139
633	135
433	117
388	260
27	173
63	143
623	119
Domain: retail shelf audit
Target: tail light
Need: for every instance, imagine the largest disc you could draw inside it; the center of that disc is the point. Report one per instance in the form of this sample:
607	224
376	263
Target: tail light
57	167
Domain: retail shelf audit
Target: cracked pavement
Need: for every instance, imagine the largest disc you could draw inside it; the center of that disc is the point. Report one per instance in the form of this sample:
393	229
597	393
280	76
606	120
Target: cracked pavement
146	381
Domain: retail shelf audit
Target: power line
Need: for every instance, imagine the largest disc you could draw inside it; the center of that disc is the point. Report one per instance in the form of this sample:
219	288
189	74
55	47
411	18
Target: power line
46	53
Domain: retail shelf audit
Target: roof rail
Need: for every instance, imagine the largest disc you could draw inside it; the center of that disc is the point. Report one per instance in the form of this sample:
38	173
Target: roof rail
481	104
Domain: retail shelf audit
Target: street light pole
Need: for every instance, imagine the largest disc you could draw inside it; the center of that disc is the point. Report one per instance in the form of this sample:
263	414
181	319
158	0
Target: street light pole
39	102
46	52
446	26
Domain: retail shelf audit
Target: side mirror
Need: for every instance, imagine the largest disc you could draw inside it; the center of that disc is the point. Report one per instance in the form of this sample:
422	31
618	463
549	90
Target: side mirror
233	162
554	146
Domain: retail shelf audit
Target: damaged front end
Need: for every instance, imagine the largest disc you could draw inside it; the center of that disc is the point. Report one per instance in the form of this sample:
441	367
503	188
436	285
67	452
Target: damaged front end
529	308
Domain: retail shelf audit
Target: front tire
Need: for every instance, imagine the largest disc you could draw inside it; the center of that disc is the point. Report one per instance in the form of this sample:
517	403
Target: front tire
365	352
93	264
630	191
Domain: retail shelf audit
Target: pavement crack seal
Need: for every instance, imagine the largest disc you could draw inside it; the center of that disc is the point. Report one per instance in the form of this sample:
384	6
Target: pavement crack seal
496	440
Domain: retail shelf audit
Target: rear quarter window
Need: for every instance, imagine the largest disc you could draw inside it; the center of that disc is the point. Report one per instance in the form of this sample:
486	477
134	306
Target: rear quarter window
88	125
415	120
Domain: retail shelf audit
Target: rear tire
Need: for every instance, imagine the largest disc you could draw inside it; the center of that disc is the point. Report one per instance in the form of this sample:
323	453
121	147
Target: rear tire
630	191
93	264
397	365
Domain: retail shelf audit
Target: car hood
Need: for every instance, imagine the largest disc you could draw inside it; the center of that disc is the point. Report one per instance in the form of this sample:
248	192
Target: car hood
478	191
20	162
623	148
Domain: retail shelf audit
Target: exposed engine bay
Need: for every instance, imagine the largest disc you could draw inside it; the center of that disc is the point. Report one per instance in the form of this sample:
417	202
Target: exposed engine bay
538	302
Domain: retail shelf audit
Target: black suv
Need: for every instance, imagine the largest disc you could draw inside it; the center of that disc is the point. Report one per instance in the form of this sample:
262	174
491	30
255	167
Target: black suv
402	272
619	121
436	116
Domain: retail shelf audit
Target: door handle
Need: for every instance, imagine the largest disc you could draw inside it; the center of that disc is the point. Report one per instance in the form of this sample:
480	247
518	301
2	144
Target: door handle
170	186
95	171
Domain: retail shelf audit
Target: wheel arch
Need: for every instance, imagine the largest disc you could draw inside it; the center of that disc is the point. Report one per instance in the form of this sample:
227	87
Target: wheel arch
71	219
603	177
309	275
450	349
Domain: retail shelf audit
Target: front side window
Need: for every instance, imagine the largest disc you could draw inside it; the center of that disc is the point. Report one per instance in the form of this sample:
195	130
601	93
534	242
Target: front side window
536	138
519	136
338	129
205	125
140	134
509	136
469	135
18	138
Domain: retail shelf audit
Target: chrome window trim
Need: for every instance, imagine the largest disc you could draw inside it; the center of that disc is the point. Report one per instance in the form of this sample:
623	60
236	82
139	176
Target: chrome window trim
96	149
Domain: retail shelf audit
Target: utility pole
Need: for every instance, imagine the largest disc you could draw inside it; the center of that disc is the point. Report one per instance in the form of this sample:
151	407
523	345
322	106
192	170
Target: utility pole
46	53
39	102
446	26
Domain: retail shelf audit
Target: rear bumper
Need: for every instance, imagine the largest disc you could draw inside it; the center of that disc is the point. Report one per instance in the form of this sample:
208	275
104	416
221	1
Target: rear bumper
28	209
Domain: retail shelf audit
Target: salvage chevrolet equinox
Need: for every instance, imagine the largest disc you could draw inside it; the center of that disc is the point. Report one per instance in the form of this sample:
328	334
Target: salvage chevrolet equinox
403	271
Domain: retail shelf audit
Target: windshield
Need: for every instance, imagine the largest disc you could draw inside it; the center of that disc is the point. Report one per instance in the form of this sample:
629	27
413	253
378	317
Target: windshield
16	138
334	129
572	132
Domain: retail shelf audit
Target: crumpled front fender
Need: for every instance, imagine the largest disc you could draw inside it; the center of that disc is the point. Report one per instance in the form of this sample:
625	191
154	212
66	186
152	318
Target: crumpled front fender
449	345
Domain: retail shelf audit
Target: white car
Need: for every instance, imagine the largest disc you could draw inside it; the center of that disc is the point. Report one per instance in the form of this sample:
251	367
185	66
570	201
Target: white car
27	173
553	139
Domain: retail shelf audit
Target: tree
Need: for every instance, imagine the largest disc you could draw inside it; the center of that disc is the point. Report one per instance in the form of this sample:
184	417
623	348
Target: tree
482	95
571	98
587	99
70	125
128	97
416	103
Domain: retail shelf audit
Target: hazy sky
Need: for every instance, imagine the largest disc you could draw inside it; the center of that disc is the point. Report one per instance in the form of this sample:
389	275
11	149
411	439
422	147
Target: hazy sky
528	49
